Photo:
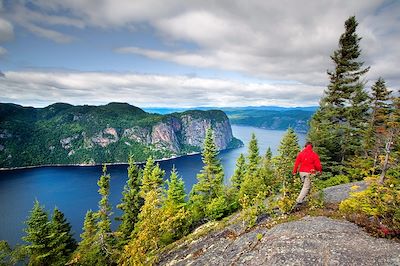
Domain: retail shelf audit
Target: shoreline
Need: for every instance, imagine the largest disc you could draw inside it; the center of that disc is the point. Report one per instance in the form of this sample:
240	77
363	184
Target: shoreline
92	165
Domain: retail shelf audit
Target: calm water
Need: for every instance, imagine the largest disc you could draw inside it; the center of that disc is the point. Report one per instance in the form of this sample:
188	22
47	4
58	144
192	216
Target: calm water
73	189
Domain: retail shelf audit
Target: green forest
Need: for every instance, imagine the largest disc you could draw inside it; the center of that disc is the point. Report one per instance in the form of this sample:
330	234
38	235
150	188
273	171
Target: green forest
66	134
355	132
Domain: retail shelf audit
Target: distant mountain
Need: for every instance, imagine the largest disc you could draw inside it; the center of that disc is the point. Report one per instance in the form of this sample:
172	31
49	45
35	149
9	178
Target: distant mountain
65	134
268	117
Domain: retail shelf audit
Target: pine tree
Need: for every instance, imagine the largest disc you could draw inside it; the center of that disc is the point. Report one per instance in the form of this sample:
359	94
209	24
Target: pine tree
380	111
37	235
175	215
240	172
284	163
152	177
141	250
104	234
62	243
338	125
175	194
253	183
266	171
211	177
254	155
131	202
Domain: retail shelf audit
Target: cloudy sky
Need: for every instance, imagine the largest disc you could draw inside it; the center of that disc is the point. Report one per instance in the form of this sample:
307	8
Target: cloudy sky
171	53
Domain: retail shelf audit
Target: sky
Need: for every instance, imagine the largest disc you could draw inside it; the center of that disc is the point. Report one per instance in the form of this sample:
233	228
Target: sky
171	53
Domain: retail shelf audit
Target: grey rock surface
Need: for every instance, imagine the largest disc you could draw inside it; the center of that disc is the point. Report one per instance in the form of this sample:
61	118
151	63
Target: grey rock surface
336	194
309	241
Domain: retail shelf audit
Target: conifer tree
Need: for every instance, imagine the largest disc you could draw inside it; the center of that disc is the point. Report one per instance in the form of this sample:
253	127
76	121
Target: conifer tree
176	190
240	172
131	202
37	235
378	124
175	215
266	170
338	125
62	243
104	235
211	177
253	183
284	162
141	249
88	251
254	155
152	177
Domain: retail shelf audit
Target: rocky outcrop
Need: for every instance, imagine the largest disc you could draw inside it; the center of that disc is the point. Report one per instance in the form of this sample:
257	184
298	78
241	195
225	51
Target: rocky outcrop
309	241
338	193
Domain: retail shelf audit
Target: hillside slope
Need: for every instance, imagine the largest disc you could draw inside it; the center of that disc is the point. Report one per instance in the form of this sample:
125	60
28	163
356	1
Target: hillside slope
66	134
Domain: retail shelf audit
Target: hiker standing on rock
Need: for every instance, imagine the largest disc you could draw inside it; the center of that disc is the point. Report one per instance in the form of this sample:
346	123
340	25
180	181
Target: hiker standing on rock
307	163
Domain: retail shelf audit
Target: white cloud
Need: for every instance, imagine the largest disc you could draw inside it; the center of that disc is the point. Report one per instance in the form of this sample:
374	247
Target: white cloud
6	30
281	40
43	88
3	51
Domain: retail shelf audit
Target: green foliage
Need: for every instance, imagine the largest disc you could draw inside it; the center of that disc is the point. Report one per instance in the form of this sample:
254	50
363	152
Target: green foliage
147	235
338	126
240	172
378	201
131	203
152	177
210	179
253	182
37	232
333	181
63	134
62	243
5	253
252	208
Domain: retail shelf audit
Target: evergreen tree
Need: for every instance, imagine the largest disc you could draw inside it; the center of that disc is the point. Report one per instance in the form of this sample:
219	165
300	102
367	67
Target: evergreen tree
37	235
176	190
338	125
266	170
380	111
254	155
141	250
88	251
284	163
131	202
240	172
253	182
152	177
104	235
175	215
210	179
62	243
5	253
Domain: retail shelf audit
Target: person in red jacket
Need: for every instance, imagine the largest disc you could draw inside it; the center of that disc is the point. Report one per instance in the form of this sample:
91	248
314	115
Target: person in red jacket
307	163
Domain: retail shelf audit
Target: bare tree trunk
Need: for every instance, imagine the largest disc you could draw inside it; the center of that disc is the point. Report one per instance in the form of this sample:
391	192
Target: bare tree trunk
385	164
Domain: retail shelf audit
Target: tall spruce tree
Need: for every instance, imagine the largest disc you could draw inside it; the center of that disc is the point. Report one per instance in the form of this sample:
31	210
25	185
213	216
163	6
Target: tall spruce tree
152	177
210	179
338	125
253	183
88	251
37	235
131	202
62	243
175	215
378	124
104	236
240	172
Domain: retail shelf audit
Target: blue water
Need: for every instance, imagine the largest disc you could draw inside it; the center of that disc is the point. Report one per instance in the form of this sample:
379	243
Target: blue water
73	189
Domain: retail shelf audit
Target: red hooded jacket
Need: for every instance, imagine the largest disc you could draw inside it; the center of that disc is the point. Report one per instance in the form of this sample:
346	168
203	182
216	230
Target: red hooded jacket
308	161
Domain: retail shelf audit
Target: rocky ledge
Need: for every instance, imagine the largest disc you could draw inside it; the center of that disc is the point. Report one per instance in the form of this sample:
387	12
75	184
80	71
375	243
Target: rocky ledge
309	241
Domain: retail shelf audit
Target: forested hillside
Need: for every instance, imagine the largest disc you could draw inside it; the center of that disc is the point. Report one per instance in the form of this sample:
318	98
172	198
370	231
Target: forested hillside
66	134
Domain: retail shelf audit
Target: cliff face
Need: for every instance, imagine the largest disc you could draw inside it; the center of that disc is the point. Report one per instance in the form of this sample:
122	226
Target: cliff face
62	134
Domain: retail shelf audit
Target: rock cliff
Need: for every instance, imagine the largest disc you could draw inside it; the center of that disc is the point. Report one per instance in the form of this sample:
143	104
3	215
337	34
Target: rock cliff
67	134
